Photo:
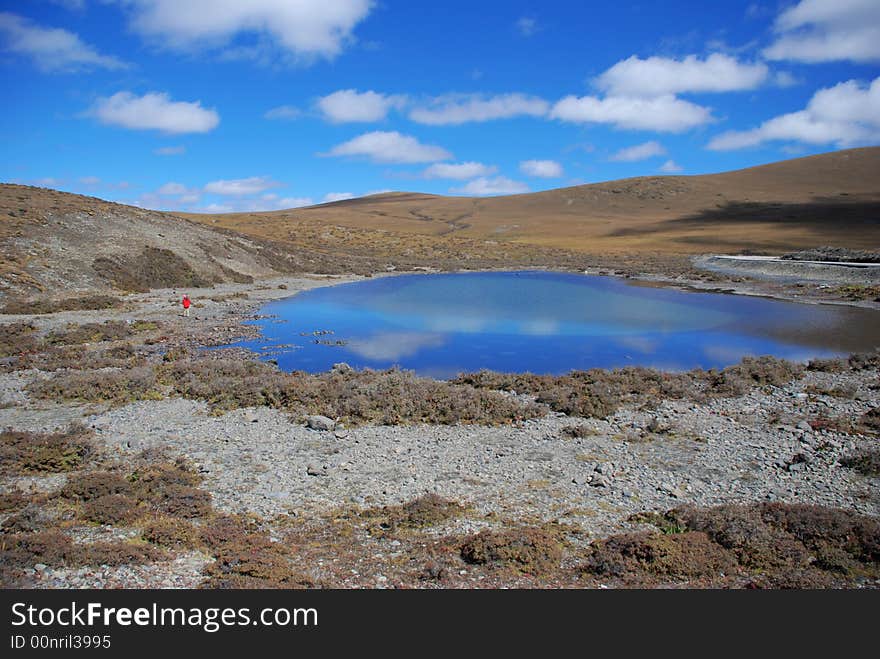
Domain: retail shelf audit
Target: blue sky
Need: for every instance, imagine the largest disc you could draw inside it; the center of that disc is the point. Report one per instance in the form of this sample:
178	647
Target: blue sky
224	105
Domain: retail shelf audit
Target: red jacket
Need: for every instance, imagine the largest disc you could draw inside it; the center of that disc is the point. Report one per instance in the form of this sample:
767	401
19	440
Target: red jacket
186	302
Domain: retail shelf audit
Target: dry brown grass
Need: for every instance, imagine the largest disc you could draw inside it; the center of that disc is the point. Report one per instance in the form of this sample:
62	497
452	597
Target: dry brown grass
801	203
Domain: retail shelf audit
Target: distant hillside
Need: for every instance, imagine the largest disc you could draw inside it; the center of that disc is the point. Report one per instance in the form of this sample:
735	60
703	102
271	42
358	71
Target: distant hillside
56	243
832	198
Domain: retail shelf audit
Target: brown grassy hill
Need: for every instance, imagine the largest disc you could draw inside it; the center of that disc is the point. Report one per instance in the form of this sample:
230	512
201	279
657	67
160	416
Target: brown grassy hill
56	243
831	198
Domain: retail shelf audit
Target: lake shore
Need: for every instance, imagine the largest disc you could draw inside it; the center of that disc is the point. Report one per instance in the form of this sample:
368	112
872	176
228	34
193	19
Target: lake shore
776	443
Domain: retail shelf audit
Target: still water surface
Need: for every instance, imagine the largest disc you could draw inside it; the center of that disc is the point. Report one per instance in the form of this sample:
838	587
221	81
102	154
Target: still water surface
544	322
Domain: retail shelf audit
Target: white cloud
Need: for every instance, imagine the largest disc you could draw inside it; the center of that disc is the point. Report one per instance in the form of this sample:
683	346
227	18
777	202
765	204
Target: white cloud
541	168
492	186
171	189
241	186
639	152
170	151
828	30
90	180
285	112
51	49
336	196
659	76
350	105
453	109
155	111
527	26
459	171
303	28
390	147
670	167
662	113
847	114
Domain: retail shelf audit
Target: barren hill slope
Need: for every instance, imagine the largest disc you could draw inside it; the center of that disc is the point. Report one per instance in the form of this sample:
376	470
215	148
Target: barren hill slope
831	198
56	243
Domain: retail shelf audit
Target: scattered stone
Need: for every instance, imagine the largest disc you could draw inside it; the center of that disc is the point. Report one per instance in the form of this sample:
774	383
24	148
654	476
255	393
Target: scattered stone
322	423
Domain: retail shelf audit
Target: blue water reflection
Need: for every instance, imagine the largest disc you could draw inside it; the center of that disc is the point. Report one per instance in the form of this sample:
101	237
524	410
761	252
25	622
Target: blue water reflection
543	322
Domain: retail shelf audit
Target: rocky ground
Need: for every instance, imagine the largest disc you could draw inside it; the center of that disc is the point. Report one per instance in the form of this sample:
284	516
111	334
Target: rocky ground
587	477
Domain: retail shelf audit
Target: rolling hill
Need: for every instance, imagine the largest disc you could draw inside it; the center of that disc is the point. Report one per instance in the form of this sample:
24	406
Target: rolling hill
832	198
54	243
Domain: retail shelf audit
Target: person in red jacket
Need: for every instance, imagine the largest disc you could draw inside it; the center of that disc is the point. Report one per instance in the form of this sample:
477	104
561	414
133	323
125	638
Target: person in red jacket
186	304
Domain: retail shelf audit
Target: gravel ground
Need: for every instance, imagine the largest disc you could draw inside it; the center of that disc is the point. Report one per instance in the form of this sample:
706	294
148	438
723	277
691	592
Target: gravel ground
758	447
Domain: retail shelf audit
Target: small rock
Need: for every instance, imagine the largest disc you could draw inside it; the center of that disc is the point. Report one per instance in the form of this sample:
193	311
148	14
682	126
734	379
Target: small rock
803	425
40	567
599	480
318	422
671	490
312	470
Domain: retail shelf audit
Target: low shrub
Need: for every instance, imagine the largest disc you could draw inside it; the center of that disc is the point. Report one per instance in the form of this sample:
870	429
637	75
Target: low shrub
153	267
753	372
426	510
87	486
12	500
117	387
678	556
56	549
531	550
170	488
17	338
111	330
245	557
45	306
171	532
32	452
111	509
384	397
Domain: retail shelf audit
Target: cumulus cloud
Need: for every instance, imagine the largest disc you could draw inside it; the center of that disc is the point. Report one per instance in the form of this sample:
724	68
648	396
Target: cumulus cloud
170	151
453	109
459	171
390	147
541	168
847	114
492	186
661	113
51	49
828	30
639	152
283	112
89	180
241	186
670	167
350	105
155	111
659	76
303	28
